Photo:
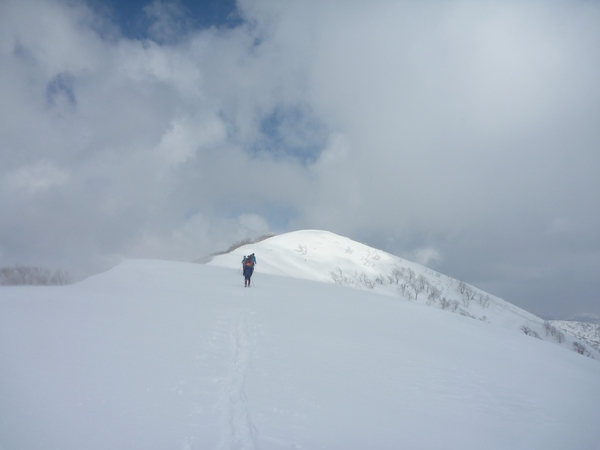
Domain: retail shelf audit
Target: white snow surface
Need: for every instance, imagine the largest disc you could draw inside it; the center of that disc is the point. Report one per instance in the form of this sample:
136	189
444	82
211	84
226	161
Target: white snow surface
324	256
159	355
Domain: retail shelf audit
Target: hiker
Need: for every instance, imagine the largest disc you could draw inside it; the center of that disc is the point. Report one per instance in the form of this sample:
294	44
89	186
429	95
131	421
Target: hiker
248	264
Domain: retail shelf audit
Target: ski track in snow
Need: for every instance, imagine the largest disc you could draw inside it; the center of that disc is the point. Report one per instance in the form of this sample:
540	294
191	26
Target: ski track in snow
237	431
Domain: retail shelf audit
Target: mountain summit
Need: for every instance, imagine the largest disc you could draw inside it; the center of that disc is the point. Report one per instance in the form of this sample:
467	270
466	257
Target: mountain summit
327	257
161	355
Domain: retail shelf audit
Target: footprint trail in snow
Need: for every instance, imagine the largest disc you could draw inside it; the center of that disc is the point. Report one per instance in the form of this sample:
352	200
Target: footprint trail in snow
237	432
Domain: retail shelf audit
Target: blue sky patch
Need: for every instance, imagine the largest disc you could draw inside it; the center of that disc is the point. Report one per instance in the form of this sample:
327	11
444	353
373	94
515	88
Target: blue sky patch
138	19
292	131
60	89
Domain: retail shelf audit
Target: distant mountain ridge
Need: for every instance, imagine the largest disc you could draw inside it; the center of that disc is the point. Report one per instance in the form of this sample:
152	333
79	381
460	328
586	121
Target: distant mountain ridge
584	331
584	317
327	257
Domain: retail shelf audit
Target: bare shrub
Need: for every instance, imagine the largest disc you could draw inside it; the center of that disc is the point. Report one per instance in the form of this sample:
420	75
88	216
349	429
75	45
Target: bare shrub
366	281
406	290
409	275
484	300
371	256
470	294
380	279
464	312
529	332
554	332
397	274
581	349
355	280
337	276
451	305
420	284
434	295
444	302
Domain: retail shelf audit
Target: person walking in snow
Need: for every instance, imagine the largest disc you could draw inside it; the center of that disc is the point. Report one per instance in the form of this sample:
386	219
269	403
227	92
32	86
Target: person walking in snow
248	264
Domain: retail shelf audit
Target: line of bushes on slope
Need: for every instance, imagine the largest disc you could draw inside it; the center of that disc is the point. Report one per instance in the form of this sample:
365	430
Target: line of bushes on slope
410	286
19	275
236	245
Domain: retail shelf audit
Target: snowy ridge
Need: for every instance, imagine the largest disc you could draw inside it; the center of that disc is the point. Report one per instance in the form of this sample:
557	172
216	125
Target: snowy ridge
324	256
161	355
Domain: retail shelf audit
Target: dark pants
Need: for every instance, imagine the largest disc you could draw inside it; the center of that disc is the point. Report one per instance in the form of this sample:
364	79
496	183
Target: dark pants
247	275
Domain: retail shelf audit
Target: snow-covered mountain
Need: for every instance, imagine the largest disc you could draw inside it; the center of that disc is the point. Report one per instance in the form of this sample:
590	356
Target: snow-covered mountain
327	257
584	331
159	355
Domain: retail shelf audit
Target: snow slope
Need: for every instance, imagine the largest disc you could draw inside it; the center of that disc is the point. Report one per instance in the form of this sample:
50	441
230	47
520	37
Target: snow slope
585	331
159	355
327	257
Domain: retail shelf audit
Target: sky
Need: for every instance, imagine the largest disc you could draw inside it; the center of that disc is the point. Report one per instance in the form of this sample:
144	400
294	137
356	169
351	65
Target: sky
461	135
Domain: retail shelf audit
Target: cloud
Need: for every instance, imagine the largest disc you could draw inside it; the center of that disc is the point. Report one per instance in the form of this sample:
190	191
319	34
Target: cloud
168	21
459	122
462	134
36	178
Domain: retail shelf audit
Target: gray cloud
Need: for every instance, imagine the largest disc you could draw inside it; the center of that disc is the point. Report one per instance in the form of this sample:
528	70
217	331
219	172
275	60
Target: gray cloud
462	135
